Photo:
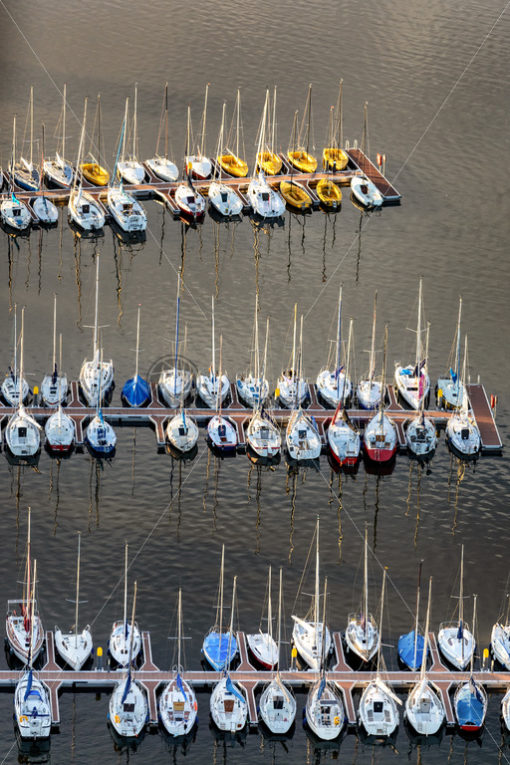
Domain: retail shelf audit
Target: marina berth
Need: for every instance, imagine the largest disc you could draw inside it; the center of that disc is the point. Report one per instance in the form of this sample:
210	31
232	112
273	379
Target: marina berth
163	167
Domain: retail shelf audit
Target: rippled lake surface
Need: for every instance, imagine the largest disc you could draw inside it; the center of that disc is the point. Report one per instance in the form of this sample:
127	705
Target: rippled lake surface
436	79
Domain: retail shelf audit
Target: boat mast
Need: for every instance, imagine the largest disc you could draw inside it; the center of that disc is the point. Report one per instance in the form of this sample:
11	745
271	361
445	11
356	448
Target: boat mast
323	636
316	598
347	360
273	126
474	634
13	158
137	352
135	121
365	583
457	350
16	347
231	627
125	131
32	613
279	622
426	641
269	610
292	367
202	145
77	593
31	124
79	173
64	124
177	330
300	362
99	128
20	379
461	599
265	359
54	330
220	620
257	360
218	387
132	635
383	388
371	363
418	333
379	637
338	337
464	380
309	117
166	120
416	621
96	309
213	367
339	138
179	627
422	393
237	121
60	380
27	591
220	141
125	587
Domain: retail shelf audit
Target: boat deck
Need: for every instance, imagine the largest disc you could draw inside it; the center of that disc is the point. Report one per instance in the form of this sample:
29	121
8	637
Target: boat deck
156	415
346	679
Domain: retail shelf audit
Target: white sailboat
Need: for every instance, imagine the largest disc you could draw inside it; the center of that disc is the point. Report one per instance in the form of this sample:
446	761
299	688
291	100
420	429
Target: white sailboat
252	388
200	165
23	626
380	439
277	704
221	431
343	436
424	706
462	433
307	634
470	699
421	436
96	375
128	710
178	703
45	210
59	428
31	698
129	168
228	706
82	208
378	711
26	174
125	209
58	170
181	434
505	709
500	639
334	385
75	647
14	213
175	384
451	390
162	167
223	198
361	633
213	386
13	385
369	390
23	432
262	644
291	388
54	386
413	381
324	711
456	642
266	202
125	640
302	436
220	647
366	192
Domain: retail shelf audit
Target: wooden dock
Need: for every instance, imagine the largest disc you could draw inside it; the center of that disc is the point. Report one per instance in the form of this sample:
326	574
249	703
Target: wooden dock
157	414
246	675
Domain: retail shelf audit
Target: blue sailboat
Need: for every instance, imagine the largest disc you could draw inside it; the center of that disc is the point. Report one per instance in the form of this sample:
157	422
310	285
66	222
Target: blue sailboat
220	647
470	700
411	645
136	391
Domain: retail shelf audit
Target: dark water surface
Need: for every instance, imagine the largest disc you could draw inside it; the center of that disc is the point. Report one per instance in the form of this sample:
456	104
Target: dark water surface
437	81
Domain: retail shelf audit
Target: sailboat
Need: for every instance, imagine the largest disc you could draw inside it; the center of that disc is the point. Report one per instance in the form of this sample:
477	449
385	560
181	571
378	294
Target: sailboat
228	706
136	391
23	627
378	711
93	171
45	210
26	174
380	440
262	644
424	707
13	385
265	202
100	437
451	391
75	647
277	704
175	384
54	386
252	388
31	697
162	166
366	192
421	436
324	712
130	169
223	198
470	699
292	389
182	434
221	432
263	437
330	194
411	645
331	383
293	192
500	639
333	156
128	710
361	633
302	436
23	433
59	428
299	156
178	703
125	209
230	160
369	390
96	375
462	433
211	387
201	166
412	381
505	709
190	202
343	436
15	214
58	171
456	642
125	640
307	634
267	160
82	208
219	647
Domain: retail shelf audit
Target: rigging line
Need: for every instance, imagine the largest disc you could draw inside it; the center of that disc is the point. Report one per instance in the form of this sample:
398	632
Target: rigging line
14	742
417	143
149	535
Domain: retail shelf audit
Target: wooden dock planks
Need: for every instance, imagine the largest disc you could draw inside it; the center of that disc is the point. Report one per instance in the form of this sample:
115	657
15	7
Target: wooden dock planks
389	192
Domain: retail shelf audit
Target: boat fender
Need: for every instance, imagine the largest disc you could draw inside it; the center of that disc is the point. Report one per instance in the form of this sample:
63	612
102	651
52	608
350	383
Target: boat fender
336	720
195	706
23	718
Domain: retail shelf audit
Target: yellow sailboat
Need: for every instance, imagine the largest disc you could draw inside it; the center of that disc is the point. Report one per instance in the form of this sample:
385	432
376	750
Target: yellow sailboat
329	193
333	156
231	162
93	170
299	155
267	160
295	194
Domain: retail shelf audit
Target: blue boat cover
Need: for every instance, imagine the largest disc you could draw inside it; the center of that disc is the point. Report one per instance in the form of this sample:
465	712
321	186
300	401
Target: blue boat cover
180	686
216	650
136	391
231	689
29	686
406	650
469	707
